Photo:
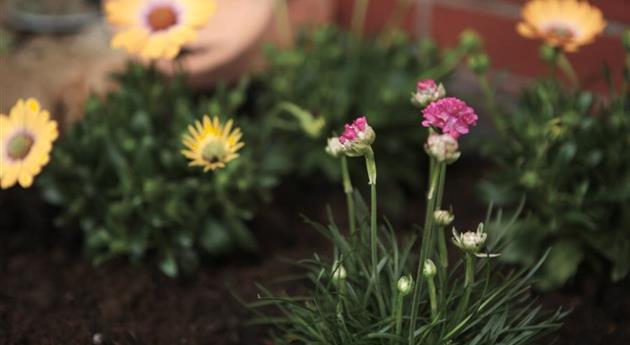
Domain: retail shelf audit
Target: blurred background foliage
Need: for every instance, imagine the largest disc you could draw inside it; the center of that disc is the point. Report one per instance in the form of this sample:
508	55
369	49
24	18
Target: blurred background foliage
563	150
335	75
119	174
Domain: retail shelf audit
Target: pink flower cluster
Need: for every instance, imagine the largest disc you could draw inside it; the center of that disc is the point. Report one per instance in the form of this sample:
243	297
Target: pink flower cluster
451	115
353	131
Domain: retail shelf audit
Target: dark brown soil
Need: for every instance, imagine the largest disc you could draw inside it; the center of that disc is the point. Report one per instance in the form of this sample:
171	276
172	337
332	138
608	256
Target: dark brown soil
49	295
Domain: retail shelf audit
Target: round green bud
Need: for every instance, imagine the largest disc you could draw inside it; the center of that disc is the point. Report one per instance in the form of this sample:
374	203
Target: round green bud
548	53
429	270
340	272
470	40
479	63
405	285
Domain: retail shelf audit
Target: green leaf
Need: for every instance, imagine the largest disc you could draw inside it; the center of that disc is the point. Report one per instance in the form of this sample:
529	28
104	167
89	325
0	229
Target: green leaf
563	261
168	266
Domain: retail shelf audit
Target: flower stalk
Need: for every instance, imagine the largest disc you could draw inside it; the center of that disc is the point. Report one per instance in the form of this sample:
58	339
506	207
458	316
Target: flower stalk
567	68
404	285
358	16
435	193
348	190
429	271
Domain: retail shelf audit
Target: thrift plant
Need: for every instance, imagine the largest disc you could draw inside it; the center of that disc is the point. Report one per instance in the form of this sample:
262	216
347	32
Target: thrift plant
379	289
122	174
561	151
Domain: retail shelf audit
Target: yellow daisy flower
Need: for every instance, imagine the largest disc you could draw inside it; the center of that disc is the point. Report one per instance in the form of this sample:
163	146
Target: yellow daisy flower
210	144
157	29
567	24
26	137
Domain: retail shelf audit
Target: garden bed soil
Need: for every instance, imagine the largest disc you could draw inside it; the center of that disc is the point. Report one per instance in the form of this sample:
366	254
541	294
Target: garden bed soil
49	295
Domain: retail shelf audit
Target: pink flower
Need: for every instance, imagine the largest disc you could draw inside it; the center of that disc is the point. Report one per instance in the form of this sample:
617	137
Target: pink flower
427	91
451	115
426	85
355	140
356	130
349	134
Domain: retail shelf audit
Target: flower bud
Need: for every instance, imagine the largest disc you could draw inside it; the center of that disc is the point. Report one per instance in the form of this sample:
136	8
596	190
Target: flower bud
479	63
429	270
334	147
405	285
470	40
548	53
443	217
340	272
470	242
530	180
427	91
442	147
357	138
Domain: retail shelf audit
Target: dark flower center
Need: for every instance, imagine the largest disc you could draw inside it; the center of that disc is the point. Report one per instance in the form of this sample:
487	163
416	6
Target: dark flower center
161	18
20	146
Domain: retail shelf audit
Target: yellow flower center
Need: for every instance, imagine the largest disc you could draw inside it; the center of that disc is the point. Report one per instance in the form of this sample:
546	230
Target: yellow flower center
214	151
561	33
20	146
161	18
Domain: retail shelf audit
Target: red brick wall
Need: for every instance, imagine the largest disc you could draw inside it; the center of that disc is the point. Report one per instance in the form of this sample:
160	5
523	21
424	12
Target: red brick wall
495	20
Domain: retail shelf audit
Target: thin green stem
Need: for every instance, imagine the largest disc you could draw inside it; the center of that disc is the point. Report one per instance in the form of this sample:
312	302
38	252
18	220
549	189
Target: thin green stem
491	104
283	20
468	283
373	233
434	194
432	298
567	68
442	249
398	312
348	190
401	9
370	164
358	16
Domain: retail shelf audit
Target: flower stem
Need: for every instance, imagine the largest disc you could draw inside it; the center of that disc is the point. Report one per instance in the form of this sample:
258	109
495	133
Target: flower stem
401	9
373	229
432	298
370	164
442	248
348	190
283	21
565	65
358	16
433	196
468	282
398	311
491	103
438	205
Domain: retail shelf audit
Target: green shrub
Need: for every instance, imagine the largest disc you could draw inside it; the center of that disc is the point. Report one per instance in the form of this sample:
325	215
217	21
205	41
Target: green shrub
563	150
120	175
